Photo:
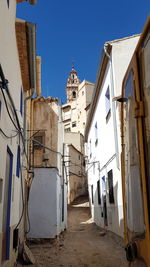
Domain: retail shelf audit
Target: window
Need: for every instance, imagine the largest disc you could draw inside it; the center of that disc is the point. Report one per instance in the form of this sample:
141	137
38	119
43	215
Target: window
96	134
79	157
110	185
73	94
67	128
39	140
8	3
82	92
103	186
18	162
74	124
92	196
21	101
98	192
107	103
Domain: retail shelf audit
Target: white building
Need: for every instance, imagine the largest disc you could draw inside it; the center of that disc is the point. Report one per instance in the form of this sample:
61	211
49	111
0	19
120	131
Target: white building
102	135
11	134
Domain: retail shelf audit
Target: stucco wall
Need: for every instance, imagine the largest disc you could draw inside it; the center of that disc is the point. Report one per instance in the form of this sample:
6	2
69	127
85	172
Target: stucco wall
106	151
45	204
10	63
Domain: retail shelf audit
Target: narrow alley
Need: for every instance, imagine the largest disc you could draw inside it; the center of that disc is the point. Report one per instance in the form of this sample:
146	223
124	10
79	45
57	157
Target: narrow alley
83	244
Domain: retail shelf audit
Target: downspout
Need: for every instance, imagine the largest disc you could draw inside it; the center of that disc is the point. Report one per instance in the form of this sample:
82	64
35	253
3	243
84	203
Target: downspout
38	95
113	104
31	36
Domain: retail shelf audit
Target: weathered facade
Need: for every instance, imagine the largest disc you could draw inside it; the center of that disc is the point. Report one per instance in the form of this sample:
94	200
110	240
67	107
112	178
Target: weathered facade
47	162
103	136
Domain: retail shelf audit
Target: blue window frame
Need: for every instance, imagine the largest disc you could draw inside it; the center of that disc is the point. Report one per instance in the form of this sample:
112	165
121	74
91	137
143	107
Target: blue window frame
18	162
21	101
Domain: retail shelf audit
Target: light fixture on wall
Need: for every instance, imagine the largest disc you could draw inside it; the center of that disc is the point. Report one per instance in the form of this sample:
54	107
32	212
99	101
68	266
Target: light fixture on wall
120	99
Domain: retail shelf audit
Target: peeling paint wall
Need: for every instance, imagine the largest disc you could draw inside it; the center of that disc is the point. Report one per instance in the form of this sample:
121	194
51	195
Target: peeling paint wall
45	120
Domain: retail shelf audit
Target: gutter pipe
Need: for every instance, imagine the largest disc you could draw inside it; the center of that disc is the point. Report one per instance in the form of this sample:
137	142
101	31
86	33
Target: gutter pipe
31	35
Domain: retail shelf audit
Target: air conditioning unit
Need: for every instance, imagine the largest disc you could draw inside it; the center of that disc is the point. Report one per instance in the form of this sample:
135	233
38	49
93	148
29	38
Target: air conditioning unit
32	2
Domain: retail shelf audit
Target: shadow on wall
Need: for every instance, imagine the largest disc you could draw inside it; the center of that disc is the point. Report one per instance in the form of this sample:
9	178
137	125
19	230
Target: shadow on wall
113	219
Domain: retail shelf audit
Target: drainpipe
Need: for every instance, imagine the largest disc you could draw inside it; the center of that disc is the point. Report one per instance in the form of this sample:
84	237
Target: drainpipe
38	88
38	95
113	104
31	36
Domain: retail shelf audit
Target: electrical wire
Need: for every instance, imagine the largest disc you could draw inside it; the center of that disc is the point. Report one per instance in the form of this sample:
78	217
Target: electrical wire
22	194
46	147
8	110
8	137
18	128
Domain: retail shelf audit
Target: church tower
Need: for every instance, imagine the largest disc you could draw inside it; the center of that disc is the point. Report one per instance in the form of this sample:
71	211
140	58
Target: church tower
72	86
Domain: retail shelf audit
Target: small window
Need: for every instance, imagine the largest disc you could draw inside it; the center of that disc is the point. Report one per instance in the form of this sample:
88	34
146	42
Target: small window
98	193
107	103
68	129
39	140
8	3
79	157
74	124
110	185
73	94
18	162
92	195
82	92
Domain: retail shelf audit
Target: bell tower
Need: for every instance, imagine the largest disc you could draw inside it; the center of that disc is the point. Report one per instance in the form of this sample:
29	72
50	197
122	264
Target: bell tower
72	86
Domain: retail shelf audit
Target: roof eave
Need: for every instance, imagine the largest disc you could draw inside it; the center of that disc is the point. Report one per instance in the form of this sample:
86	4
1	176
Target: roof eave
100	75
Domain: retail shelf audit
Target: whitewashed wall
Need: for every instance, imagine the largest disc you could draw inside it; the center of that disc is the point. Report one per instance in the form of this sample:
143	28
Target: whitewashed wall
45	205
106	153
10	63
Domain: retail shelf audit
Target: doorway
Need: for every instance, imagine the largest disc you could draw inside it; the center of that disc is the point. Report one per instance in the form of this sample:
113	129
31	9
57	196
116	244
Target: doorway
104	201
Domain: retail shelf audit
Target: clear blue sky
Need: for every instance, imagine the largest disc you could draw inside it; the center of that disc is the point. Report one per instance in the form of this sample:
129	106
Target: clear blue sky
75	31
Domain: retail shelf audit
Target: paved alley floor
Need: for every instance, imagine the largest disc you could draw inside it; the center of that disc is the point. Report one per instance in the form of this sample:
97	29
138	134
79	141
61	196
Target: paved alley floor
81	245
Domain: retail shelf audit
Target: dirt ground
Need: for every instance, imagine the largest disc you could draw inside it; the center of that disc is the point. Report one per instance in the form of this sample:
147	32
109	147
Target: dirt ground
81	245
